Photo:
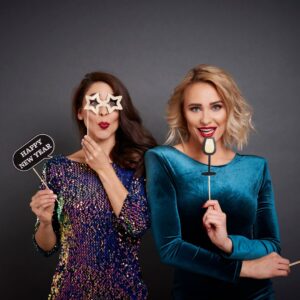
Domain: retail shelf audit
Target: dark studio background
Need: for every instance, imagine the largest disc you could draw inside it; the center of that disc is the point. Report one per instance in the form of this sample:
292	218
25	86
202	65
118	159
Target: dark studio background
47	47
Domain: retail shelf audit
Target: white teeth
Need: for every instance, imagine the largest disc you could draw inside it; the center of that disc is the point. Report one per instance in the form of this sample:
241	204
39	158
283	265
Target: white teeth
207	130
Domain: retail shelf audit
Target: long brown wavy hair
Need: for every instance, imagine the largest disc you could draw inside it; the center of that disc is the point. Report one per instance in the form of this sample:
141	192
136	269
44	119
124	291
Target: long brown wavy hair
132	138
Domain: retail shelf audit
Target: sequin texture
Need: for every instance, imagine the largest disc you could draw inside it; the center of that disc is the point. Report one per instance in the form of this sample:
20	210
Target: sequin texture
98	250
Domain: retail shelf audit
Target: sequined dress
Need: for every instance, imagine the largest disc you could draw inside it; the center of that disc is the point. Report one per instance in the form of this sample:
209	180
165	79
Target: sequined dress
98	251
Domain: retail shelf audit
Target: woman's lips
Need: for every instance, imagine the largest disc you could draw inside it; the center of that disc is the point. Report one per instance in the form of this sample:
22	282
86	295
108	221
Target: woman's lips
103	125
207	131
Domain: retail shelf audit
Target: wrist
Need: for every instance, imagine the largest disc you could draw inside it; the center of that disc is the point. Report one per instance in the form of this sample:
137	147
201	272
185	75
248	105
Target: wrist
104	170
45	224
246	269
227	246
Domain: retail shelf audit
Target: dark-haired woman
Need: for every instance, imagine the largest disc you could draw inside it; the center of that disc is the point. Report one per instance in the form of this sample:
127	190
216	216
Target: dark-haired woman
94	208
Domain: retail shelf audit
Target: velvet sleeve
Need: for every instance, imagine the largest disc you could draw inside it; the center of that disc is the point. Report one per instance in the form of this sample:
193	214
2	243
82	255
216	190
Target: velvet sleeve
265	230
134	216
48	174
173	250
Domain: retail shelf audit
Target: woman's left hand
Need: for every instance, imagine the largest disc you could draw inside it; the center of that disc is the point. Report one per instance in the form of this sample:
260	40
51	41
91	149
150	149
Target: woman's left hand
214	220
94	155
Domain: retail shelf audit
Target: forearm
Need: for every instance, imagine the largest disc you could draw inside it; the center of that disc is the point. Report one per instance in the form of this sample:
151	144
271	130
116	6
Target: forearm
114	188
45	237
192	258
249	249
271	265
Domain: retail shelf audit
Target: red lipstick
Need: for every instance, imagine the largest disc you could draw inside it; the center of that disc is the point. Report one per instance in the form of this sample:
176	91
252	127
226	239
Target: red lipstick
103	125
207	131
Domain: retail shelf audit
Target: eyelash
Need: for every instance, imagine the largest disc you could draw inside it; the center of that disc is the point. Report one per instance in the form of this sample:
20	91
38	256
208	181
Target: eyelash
195	109
215	107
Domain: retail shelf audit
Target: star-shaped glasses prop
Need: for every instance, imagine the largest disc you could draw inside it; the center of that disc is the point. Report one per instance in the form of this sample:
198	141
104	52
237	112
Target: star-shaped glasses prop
111	103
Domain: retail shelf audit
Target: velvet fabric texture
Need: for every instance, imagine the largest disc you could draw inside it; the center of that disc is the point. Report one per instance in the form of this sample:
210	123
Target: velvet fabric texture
177	191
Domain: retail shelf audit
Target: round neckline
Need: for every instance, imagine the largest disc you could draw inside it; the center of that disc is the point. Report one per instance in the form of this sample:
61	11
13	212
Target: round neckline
78	162
71	161
235	158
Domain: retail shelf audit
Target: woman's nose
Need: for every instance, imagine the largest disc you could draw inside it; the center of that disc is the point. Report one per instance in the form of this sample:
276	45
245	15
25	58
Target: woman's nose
103	111
205	118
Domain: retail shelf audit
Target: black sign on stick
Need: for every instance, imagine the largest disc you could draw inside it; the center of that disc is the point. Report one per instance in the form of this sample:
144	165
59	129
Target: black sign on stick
33	152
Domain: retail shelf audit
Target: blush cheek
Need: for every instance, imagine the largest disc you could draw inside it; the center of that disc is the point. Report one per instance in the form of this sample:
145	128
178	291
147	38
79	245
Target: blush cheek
115	126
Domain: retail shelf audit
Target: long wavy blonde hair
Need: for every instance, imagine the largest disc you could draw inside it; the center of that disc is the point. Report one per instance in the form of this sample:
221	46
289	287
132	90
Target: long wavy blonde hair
238	111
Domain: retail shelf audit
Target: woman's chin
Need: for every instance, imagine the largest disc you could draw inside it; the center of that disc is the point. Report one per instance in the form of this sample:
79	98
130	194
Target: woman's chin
102	137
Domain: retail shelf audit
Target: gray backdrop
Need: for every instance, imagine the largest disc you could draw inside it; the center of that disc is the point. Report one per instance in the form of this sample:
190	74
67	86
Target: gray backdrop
47	47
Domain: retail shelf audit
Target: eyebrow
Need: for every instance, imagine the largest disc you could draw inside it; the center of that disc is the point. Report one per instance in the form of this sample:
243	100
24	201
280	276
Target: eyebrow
212	103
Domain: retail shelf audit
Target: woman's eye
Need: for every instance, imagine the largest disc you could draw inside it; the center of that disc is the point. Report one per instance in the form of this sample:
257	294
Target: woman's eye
216	107
195	109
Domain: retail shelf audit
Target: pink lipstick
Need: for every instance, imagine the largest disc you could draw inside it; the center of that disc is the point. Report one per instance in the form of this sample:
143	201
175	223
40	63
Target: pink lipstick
103	125
207	131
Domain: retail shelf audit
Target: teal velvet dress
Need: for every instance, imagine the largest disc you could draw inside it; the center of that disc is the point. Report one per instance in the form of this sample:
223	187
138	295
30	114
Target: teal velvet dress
176	193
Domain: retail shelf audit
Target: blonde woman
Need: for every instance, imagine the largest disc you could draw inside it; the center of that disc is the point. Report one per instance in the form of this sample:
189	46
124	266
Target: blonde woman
222	248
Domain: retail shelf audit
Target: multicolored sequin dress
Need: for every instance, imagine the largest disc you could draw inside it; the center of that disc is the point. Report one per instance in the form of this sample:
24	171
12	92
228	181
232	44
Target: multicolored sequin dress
98	251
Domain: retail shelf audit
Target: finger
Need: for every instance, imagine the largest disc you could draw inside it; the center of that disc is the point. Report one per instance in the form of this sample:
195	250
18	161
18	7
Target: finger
210	223
207	227
215	213
287	269
281	273
46	205
214	203
283	266
216	219
42	212
87	148
209	209
42	192
41	198
47	200
284	261
214	222
87	155
206	224
45	191
89	142
41	206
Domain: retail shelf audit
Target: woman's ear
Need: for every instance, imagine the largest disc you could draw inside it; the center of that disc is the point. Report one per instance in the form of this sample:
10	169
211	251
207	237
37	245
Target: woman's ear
79	114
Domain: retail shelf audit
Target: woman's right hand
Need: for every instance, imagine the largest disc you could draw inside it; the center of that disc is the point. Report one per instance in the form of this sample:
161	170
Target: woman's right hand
271	265
42	204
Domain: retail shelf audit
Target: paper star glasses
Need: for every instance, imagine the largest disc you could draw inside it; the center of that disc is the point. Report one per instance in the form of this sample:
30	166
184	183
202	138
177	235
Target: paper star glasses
111	103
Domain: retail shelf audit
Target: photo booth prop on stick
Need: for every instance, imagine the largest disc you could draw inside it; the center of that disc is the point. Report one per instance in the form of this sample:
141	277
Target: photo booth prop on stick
294	263
209	148
32	153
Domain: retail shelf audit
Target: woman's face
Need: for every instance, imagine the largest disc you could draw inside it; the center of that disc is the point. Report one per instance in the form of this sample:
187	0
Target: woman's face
104	125
205	112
